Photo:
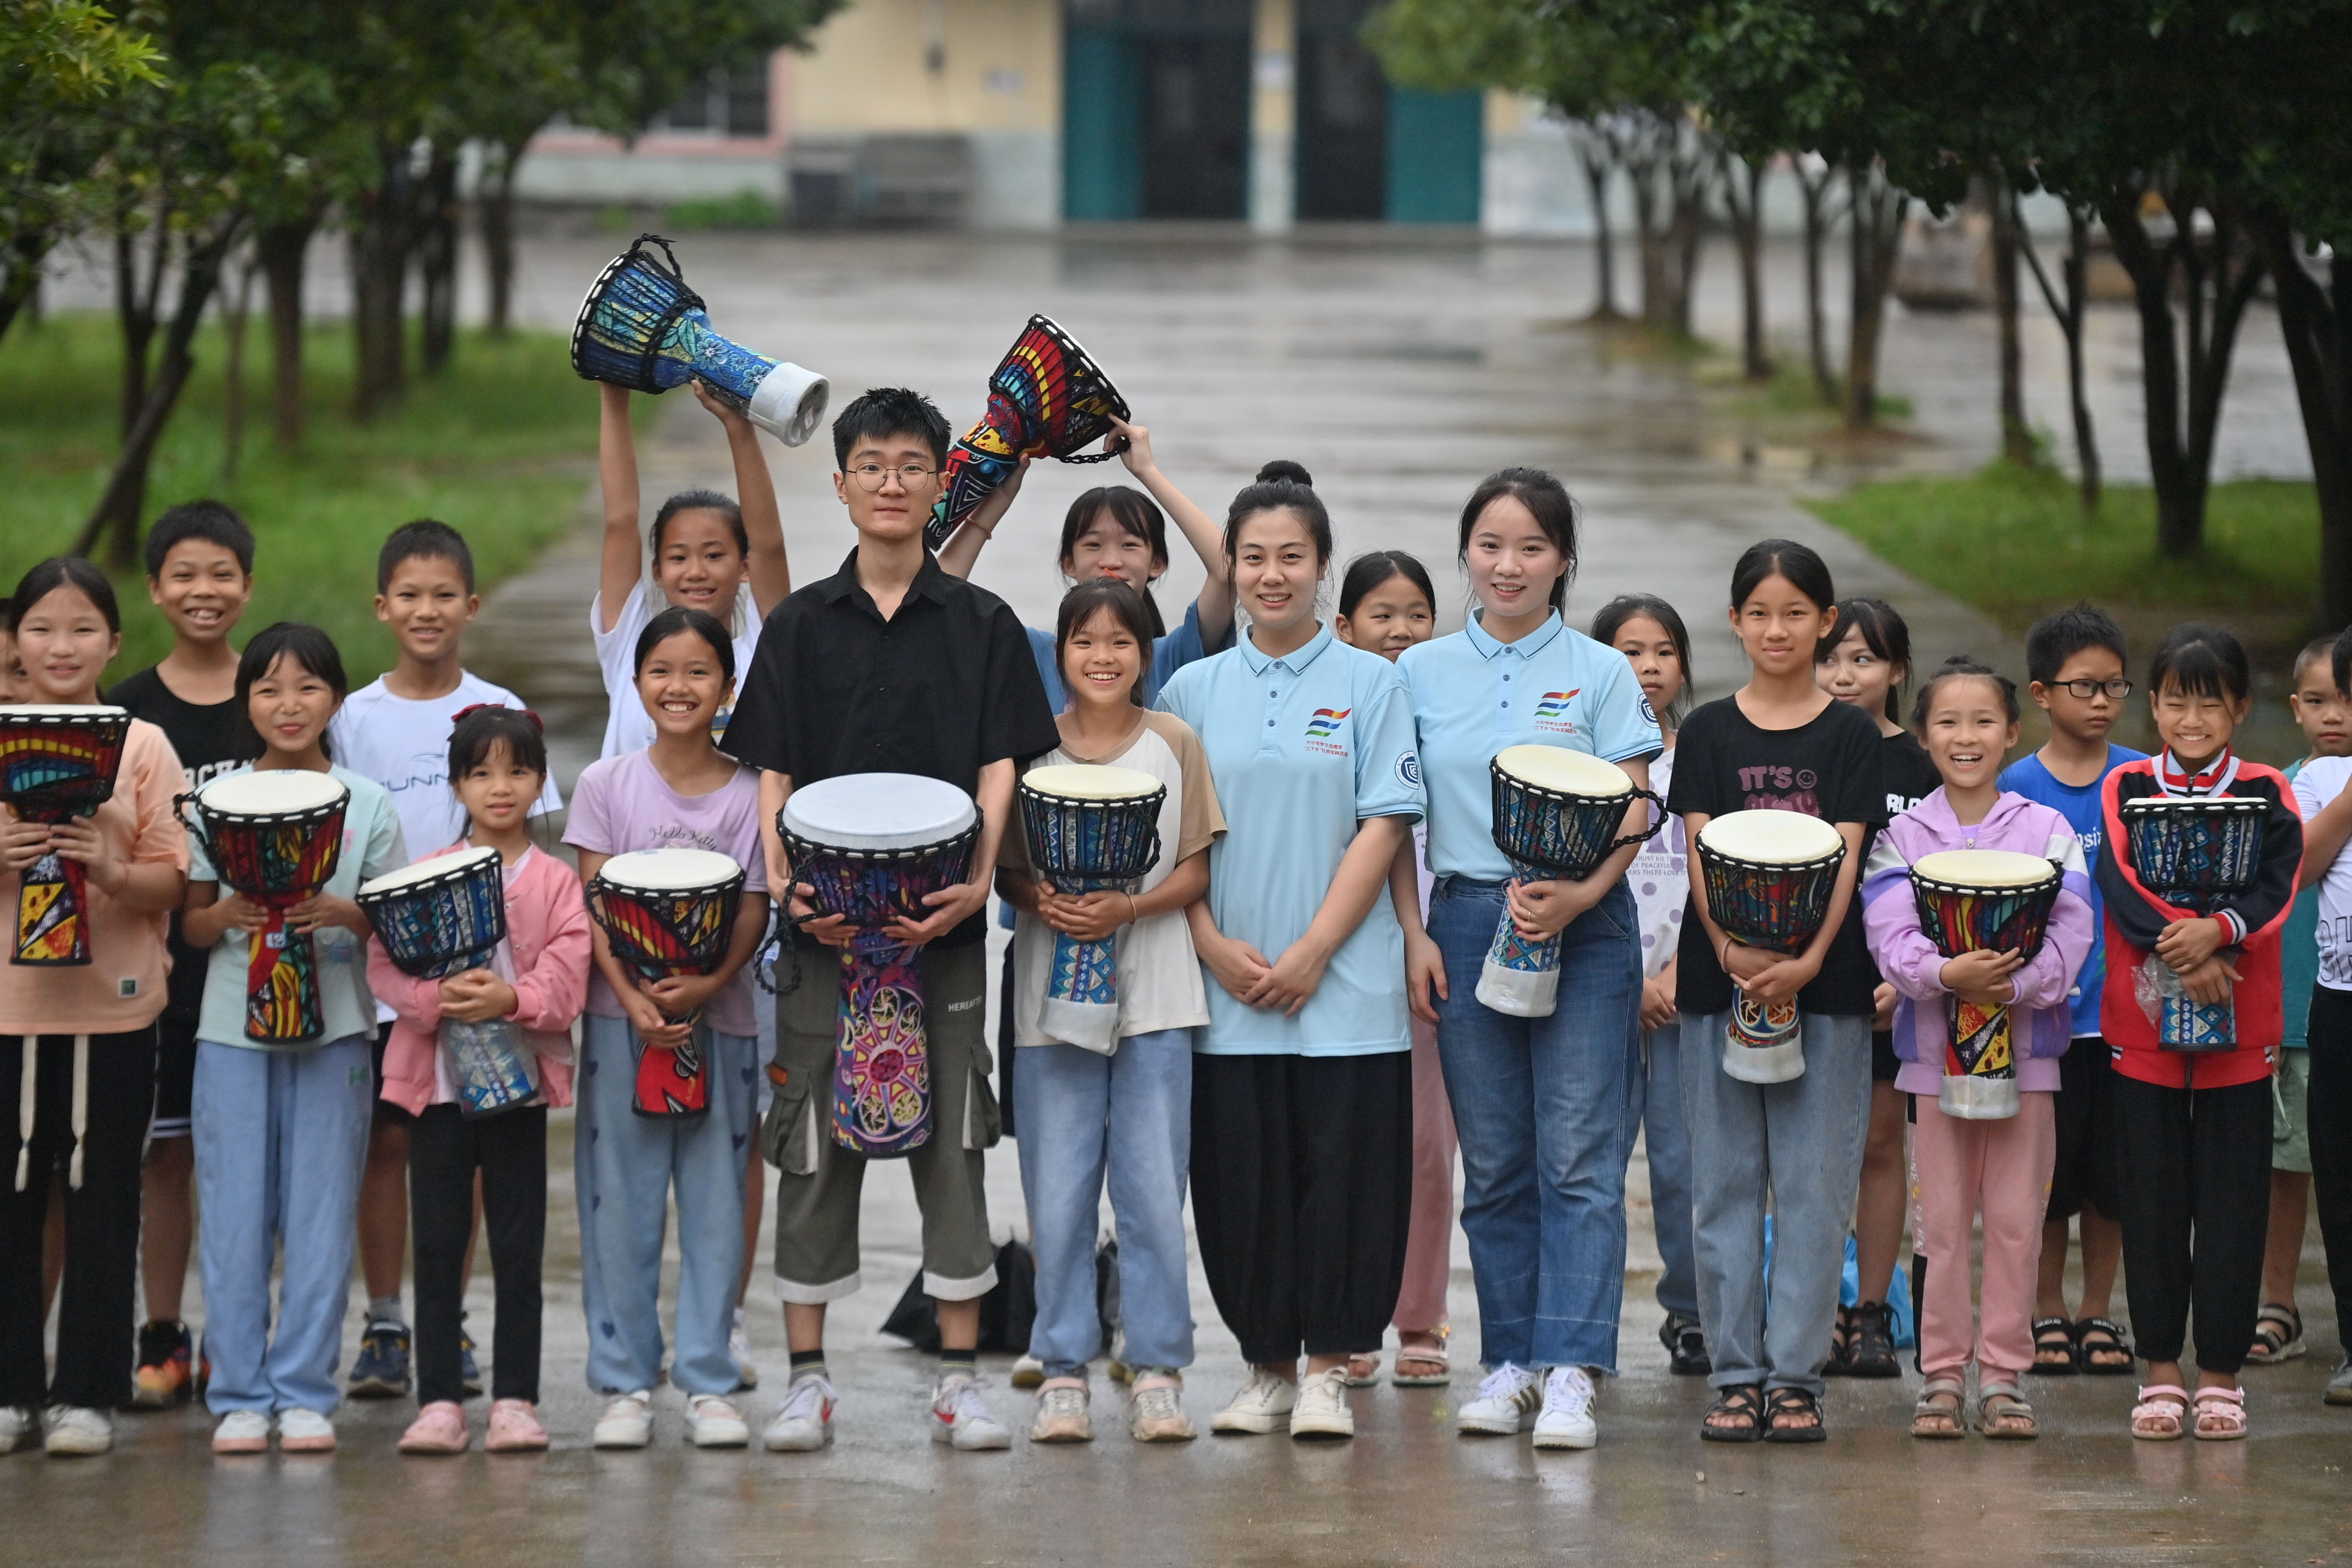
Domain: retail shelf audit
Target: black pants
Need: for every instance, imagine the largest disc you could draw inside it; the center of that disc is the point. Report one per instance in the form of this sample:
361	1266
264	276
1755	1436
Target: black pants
445	1149
96	1328
2331	1141
2193	1168
1302	1193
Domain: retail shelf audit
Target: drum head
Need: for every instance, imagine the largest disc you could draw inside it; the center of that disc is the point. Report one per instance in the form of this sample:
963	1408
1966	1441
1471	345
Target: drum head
46	713
1985	868
281	792
1563	772
1771	838
1083	780
670	870
458	861
878	811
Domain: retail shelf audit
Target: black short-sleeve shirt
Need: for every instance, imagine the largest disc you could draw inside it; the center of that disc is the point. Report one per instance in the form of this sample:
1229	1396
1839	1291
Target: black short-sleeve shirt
1831	767
210	741
942	688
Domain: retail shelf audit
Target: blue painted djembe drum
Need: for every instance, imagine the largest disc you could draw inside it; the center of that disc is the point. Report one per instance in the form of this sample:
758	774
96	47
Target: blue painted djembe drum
642	328
668	912
276	838
1046	399
1768	876
442	916
2200	854
56	763
1557	813
1978	900
871	846
1090	829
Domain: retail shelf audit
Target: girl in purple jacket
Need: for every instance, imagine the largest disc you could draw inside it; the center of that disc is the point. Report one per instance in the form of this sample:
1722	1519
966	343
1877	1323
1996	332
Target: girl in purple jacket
1967	714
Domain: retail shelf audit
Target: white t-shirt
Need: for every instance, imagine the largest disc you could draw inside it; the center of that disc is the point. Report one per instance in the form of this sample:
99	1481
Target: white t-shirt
628	728
2320	781
1160	985
1660	877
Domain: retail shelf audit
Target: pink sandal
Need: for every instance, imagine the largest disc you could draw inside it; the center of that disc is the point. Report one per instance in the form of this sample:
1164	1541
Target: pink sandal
439	1428
2221	1414
515	1429
2157	1418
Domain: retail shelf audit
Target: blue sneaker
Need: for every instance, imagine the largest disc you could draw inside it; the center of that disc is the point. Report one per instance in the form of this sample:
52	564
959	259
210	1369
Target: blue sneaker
469	1372
381	1371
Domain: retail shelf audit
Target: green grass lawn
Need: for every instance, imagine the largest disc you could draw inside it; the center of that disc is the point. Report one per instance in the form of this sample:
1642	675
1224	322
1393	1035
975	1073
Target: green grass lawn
501	447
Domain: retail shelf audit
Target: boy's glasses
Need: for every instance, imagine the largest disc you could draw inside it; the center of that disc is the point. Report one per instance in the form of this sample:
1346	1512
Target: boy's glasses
2084	690
871	476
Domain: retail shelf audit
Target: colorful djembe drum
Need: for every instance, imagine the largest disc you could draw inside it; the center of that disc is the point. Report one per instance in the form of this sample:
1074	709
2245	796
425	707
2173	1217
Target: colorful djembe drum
642	328
56	763
871	847
2200	854
442	916
1978	900
1047	399
1090	829
1768	876
668	912
1557	813
276	838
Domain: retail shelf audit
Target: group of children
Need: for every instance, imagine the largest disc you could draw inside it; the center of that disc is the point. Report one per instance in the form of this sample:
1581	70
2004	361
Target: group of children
1300	1047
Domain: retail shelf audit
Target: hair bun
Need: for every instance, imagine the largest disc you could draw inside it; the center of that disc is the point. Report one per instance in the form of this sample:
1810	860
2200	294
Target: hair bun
1283	468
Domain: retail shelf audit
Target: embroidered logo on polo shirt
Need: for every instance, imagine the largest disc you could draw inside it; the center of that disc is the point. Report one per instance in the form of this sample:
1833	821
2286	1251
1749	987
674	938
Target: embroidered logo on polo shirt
1408	770
1321	729
1551	712
1649	714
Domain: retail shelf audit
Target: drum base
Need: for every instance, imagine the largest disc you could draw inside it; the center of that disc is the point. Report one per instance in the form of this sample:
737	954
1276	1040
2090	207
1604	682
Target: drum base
1975	1097
1518	992
788	404
1087	1024
1764	1064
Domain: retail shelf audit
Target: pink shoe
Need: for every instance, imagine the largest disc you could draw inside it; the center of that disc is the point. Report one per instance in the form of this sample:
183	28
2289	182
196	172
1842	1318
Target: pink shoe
439	1428
515	1429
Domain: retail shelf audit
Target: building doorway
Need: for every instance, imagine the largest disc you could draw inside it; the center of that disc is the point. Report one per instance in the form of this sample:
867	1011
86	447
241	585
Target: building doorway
1156	106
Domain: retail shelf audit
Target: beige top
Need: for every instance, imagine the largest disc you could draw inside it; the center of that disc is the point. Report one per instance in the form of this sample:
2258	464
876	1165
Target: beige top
1986	869
1160	985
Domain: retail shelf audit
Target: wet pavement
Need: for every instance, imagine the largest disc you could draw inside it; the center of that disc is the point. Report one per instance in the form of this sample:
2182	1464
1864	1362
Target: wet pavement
1399	376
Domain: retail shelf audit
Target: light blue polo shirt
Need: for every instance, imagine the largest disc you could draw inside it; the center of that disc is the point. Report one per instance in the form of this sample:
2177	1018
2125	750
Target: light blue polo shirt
1472	696
1302	748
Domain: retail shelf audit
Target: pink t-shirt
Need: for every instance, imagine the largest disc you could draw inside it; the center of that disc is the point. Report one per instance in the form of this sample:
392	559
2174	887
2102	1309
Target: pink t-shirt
621	804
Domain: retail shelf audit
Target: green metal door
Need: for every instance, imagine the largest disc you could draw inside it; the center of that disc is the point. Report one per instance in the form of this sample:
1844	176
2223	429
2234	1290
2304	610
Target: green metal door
1102	126
1435	140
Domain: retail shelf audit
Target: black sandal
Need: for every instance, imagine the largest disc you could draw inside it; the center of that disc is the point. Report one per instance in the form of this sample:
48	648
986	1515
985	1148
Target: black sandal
1793	1402
1872	1351
2114	1343
2270	1346
1743	1400
1843	1338
2056	1336
1685	1345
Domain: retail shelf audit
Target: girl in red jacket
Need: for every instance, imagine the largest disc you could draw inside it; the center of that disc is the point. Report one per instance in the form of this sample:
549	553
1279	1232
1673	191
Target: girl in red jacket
2194	1126
497	765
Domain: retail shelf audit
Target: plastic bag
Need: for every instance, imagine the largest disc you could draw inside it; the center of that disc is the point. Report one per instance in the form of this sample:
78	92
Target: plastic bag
1905	1325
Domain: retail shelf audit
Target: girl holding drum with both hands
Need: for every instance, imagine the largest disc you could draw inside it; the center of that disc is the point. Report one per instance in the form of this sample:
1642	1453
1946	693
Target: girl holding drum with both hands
1539	1102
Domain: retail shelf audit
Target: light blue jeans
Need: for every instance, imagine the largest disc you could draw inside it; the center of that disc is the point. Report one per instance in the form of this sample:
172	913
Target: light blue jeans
1658	1097
624	1165
1546	1112
1800	1145
1081	1113
280	1139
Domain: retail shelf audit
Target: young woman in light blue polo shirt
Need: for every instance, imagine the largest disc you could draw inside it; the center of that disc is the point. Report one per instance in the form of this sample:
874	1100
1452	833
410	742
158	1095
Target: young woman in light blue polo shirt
1302	1082
1540	1104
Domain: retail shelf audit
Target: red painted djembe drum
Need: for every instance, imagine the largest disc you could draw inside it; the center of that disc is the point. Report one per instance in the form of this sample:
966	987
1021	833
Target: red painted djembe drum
56	763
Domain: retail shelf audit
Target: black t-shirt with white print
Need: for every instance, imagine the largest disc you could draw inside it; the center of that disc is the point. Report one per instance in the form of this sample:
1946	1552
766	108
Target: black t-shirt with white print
1830	767
210	740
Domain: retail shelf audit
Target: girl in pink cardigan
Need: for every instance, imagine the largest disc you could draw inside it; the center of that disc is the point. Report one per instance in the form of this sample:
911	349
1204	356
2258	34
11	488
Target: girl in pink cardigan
1967	715
497	764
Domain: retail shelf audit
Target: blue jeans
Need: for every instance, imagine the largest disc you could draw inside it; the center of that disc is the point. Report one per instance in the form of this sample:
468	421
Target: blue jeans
624	1165
1658	1097
281	1139
1799	1144
1080	1112
1545	1111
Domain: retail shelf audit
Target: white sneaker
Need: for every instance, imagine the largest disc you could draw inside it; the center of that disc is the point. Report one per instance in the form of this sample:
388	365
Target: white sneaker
1567	1418
1028	1372
1505	1398
74	1429
1062	1413
804	1422
242	1432
1322	1408
1263	1404
714	1423
305	1432
19	1427
628	1422
738	1346
960	1417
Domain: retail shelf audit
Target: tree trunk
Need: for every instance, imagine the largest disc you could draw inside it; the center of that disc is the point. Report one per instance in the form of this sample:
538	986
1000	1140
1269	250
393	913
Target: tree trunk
495	197
2316	321
1690	175
20	275
2016	438
238	309
135	304
2068	309
1642	174
441	222
1593	153
380	244
1817	222
116	517
1875	231
1745	207
281	251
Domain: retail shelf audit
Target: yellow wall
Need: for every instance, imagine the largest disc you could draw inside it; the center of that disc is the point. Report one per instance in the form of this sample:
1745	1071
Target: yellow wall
1002	68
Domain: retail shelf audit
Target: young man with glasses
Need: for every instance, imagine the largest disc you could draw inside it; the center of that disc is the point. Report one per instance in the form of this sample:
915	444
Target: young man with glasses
889	666
2076	659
